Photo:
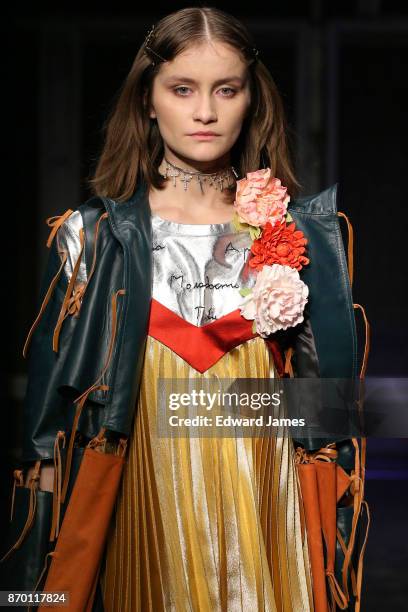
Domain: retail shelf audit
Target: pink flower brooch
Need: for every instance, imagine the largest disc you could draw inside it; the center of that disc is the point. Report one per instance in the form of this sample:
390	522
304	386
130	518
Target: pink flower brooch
278	297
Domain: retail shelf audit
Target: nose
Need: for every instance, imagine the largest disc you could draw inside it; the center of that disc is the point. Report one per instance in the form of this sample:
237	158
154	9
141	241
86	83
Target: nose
205	110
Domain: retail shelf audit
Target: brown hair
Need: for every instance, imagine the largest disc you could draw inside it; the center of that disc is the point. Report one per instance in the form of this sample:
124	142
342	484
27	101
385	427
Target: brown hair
133	147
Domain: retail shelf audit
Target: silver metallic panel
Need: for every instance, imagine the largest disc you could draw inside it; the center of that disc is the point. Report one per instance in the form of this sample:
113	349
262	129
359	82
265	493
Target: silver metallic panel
68	241
197	269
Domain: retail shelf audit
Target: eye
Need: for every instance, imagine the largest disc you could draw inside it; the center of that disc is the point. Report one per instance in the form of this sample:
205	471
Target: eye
177	90
230	89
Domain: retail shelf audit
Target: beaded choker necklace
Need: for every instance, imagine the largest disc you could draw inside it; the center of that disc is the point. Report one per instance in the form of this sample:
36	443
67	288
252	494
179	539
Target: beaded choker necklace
214	179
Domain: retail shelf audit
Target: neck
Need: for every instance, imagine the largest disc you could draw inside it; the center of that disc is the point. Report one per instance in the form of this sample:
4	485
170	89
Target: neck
209	185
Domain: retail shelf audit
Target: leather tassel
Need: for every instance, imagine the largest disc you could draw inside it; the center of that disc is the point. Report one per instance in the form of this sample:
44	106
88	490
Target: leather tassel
18	482
350	245
56	498
75	292
68	295
33	485
56	222
44	304
83	397
352	571
336	594
288	362
309	489
326	480
357	500
44	569
70	450
357	487
357	581
121	450
359	471
74	302
99	442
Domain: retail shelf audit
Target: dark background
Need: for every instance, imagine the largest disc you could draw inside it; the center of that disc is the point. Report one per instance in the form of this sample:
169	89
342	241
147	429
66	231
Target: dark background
341	68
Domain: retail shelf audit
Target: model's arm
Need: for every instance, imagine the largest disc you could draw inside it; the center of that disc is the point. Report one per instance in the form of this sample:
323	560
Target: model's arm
67	241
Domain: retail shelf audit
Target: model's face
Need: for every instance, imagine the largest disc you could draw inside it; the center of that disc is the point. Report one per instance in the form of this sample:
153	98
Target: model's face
205	88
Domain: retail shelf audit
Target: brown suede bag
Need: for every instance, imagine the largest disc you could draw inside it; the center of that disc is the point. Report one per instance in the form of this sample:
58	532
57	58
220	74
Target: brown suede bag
322	482
76	559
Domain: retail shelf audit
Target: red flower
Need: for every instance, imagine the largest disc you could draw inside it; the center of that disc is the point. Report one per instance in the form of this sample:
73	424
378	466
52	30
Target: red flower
281	244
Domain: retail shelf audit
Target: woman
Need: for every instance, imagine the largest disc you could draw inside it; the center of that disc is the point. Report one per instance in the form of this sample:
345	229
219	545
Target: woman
179	541
200	522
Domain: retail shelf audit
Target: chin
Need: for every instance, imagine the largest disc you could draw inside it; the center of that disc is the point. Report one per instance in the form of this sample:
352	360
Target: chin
207	154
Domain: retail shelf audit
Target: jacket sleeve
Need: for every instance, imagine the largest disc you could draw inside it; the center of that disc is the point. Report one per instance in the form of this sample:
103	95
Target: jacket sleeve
45	410
305	365
305	360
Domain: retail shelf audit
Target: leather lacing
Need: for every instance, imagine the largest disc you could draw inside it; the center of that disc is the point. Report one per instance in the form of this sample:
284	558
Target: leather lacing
44	569
358	476
71	305
288	362
60	489
57	488
340	595
18	482
69	295
33	486
75	291
55	223
44	303
84	396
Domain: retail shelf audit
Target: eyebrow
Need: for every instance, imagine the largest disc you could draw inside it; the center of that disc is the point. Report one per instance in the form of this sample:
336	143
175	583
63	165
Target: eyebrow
177	77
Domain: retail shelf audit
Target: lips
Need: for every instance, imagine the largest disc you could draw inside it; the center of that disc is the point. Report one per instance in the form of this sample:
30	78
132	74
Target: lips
204	134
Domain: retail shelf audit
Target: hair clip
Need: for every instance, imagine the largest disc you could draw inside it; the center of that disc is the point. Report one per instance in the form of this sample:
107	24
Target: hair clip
149	36
147	48
253	51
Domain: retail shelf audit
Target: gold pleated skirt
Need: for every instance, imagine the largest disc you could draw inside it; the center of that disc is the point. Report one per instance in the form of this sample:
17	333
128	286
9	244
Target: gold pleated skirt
201	523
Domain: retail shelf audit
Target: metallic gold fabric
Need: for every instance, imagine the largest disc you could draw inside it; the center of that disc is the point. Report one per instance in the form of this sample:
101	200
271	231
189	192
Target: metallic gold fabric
206	524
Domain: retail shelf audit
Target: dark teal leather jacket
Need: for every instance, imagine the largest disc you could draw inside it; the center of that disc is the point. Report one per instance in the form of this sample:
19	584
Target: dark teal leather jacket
325	343
90	334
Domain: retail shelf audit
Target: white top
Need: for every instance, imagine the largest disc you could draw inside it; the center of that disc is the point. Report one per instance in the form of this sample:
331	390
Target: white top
197	269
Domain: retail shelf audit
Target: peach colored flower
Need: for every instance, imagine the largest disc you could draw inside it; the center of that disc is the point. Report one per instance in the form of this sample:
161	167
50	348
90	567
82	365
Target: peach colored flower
261	198
277	300
281	244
